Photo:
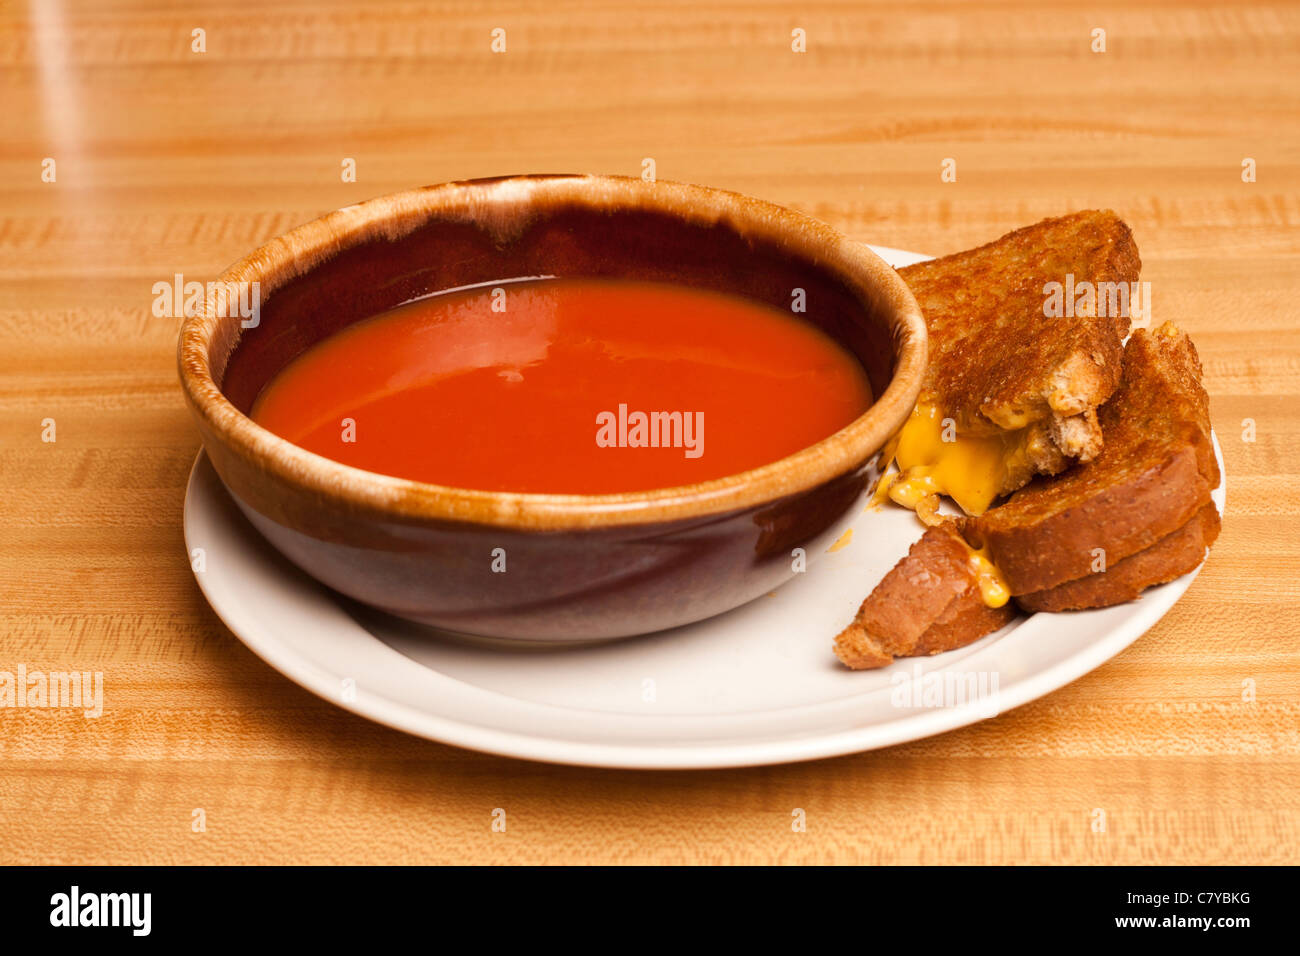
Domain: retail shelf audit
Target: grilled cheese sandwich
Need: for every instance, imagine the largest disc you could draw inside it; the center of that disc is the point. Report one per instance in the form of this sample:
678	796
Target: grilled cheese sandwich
1144	503
1011	392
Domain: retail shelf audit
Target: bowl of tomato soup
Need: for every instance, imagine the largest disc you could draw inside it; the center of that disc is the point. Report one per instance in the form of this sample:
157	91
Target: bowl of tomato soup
554	408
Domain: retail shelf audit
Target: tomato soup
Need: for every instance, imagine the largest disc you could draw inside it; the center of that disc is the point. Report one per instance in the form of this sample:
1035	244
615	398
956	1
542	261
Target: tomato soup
585	386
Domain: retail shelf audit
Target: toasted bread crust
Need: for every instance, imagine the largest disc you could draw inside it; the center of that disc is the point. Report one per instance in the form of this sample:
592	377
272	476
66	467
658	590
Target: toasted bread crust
966	619
1154	473
1113	522
997	361
906	601
928	602
986	312
1171	557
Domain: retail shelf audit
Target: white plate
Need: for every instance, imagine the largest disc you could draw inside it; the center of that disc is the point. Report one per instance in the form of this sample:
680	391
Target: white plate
758	685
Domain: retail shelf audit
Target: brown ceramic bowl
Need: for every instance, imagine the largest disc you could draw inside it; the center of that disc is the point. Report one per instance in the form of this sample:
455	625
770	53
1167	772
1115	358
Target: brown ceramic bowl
579	567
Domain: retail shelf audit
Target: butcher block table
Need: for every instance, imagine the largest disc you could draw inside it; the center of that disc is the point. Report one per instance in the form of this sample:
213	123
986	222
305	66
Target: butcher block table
176	151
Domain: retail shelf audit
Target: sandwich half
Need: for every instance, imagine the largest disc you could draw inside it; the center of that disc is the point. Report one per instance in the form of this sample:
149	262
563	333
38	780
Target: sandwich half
1026	336
940	597
1138	514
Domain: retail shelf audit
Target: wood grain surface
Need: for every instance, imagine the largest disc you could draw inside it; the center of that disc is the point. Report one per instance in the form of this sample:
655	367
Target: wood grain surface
172	161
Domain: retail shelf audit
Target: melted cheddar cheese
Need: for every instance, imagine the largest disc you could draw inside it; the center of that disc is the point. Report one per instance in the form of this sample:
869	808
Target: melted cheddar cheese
934	459
993	586
907	489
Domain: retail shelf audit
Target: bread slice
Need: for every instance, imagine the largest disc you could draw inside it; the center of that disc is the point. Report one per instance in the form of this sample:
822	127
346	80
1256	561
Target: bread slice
1171	557
1000	367
1152	477
929	602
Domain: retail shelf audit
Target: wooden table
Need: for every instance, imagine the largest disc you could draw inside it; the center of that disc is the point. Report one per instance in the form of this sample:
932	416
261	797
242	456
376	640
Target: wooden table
172	161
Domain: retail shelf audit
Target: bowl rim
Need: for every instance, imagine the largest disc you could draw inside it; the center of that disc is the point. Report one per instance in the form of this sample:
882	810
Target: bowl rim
501	206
